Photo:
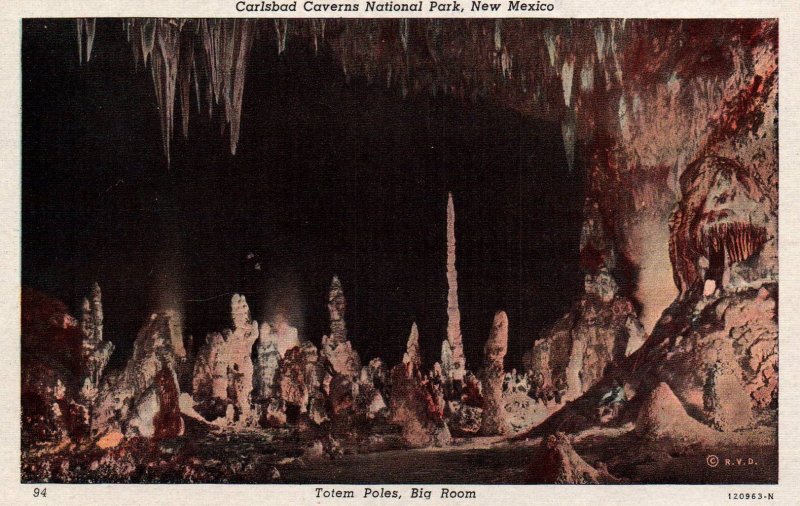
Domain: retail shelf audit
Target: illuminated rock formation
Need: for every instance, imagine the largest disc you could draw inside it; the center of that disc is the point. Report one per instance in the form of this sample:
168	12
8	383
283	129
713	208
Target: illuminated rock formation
414	404
336	348
494	415
453	360
95	352
223	372
266	365
314	376
142	398
285	335
573	354
294	393
722	223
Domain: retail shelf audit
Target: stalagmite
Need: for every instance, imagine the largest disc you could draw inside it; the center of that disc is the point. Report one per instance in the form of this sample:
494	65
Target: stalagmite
266	365
453	360
314	376
95	352
142	398
284	335
494	416
412	357
223	372
336	348
416	404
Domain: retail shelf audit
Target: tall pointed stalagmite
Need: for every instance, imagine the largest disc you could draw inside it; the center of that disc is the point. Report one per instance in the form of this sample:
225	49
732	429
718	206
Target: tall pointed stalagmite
453	361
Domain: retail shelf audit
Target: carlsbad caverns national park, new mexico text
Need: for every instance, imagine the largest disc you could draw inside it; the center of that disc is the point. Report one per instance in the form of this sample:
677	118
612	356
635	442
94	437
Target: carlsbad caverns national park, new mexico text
399	251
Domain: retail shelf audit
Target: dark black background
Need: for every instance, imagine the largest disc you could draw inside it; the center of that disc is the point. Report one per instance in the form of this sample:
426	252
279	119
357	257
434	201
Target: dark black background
329	177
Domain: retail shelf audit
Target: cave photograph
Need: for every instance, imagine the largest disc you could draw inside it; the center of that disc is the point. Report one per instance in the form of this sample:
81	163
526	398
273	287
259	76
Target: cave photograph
399	251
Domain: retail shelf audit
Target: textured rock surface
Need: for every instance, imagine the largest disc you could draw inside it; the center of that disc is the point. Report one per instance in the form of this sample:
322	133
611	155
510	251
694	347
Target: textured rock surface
62	363
223	371
336	348
723	221
663	417
414	403
95	353
562	464
266	365
142	398
494	420
574	353
453	360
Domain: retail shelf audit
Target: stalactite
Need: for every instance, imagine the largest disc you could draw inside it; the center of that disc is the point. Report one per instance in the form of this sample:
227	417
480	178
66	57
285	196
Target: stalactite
567	71
86	30
185	66
147	32
568	136
404	34
79	26
214	55
164	68
587	76
550	40
600	42
281	29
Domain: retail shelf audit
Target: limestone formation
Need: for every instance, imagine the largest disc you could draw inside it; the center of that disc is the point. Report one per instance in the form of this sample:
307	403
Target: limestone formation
282	334
414	403
369	398
223	372
292	381
266	366
63	362
494	416
596	247
142	399
722	230
453	360
561	464
314	376
336	348
573	354
726	367
662	416
412	357
94	351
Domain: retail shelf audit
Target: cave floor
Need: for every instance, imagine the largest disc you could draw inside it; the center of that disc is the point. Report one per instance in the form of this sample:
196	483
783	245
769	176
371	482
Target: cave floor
283	457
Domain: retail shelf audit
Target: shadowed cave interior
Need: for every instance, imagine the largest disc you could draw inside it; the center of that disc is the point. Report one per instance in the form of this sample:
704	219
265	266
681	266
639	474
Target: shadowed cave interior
329	178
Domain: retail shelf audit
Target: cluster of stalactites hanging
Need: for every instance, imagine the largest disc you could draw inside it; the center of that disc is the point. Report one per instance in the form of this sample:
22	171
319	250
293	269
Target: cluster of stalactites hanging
574	72
210	56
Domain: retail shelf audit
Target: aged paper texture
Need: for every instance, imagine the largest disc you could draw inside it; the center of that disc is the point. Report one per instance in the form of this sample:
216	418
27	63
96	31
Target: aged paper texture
399	252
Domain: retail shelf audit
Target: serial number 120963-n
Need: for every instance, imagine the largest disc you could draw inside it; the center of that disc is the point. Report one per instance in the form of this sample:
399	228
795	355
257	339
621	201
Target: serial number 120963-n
750	496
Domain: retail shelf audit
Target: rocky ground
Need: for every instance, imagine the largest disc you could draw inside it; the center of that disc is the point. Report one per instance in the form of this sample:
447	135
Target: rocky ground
288	456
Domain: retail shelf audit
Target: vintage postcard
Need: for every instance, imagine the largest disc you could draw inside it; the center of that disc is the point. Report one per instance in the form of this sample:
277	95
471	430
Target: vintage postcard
401	252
